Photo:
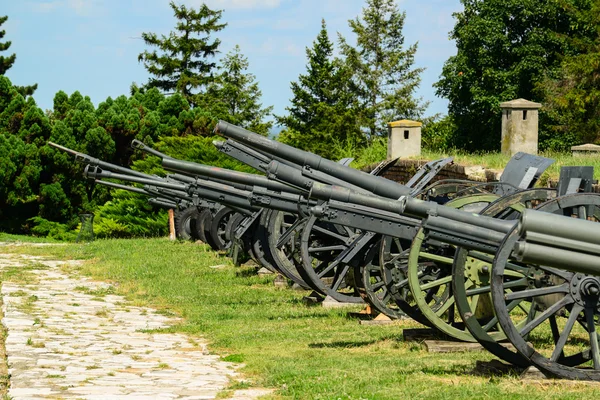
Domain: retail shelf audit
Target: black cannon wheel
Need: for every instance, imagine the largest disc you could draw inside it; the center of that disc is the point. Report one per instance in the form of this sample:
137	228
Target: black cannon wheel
559	335
185	223
258	239
473	269
372	287
283	243
393	261
218	228
323	245
202	220
240	249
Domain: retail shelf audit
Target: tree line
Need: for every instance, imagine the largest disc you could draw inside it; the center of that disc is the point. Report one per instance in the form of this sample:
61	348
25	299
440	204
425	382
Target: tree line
542	50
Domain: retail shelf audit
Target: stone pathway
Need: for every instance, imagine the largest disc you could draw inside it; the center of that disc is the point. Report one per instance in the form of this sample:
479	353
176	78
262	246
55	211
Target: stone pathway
70	337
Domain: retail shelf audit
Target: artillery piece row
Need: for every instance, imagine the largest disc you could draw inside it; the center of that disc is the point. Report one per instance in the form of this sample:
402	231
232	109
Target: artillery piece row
489	263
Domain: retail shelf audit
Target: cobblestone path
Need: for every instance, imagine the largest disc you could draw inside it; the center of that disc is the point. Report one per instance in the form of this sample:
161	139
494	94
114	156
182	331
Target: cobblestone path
70	337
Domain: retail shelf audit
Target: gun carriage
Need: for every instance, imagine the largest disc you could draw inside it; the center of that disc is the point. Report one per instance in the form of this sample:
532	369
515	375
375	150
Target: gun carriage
487	263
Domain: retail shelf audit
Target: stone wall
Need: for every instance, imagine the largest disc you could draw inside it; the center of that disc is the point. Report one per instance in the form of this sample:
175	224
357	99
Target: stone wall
403	170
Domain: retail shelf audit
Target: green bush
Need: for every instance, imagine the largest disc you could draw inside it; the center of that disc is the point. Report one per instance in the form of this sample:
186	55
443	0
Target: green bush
439	134
53	230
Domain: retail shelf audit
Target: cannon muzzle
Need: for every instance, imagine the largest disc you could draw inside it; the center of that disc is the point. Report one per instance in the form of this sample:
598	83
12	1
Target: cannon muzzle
139	145
559	241
226	175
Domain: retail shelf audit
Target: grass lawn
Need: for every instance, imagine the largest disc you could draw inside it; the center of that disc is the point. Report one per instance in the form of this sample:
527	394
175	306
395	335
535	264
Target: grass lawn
303	352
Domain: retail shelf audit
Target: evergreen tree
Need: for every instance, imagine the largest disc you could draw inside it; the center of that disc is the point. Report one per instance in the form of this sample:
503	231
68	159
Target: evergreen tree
7	62
322	113
184	64
237	95
383	75
505	48
572	97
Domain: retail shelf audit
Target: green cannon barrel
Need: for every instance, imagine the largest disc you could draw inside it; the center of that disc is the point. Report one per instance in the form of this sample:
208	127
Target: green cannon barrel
559	241
371	183
296	177
123	187
226	175
224	194
136	144
86	159
409	206
558	225
162	203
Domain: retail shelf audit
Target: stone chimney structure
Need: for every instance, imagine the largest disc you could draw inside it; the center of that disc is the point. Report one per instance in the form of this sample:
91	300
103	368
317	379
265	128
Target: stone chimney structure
520	121
404	139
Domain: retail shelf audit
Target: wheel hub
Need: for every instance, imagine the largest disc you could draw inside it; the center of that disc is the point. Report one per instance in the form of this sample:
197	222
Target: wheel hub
585	289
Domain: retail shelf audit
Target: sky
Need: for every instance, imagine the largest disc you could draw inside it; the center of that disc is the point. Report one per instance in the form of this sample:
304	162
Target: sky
92	45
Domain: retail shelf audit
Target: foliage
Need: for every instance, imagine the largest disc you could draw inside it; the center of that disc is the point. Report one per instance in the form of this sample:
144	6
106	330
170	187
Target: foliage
439	134
504	48
128	215
52	230
7	62
322	111
573	96
38	181
235	95
184	65
384	80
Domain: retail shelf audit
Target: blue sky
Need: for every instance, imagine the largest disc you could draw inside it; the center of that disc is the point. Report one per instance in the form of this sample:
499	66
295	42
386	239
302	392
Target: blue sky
92	45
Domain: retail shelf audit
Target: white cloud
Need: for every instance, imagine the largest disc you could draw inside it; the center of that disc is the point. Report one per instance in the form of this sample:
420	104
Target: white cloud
231	4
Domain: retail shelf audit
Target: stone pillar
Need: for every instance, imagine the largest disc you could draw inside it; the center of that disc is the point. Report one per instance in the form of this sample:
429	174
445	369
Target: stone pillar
520	119
404	139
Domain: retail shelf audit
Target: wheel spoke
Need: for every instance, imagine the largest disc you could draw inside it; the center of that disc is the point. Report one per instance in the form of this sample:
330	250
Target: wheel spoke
494	320
331	266
329	233
339	277
377	285
562	340
438	282
435	257
545	315
564	288
326	248
566	275
447	304
591	323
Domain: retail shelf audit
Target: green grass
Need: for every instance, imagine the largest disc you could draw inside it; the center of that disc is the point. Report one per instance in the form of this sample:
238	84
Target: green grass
7	237
498	161
303	352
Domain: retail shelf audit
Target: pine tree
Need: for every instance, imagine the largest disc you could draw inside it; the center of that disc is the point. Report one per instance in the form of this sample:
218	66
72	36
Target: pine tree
7	62
383	75
321	115
184	64
238	96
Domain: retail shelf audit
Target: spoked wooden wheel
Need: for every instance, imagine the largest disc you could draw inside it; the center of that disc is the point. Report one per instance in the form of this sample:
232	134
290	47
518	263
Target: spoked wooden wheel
258	240
327	259
218	227
393	260
430	275
372	287
471	283
283	232
562	324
